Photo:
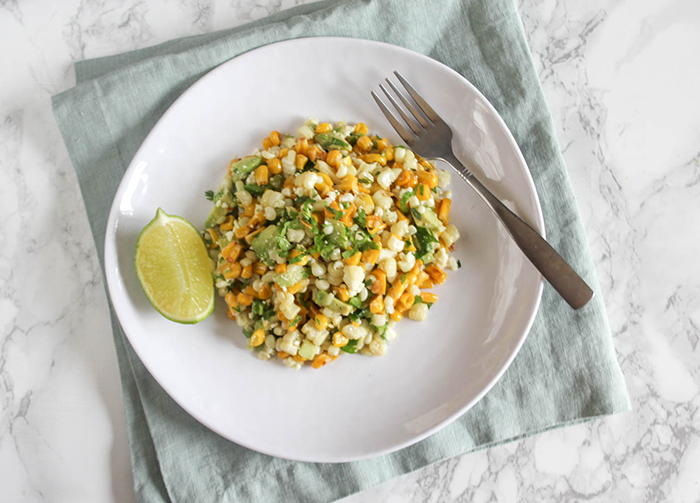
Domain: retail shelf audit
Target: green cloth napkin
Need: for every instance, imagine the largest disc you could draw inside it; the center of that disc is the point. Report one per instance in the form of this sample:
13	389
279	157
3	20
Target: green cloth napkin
566	371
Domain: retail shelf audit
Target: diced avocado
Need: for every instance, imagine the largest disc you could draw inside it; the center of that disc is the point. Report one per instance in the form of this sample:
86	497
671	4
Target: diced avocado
307	349
323	298
244	167
218	212
339	236
428	219
293	275
223	241
264	242
330	142
425	242
328	300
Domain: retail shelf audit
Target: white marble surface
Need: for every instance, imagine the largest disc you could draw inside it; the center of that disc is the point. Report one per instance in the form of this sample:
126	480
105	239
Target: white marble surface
623	82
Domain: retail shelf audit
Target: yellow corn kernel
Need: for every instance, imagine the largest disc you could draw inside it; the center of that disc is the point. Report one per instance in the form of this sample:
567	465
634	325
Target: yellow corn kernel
370	158
301	145
376	306
348	184
379	285
389	154
436	274
234	270
422	192
241	232
333	158
295	288
396	316
371	256
339	340
267	143
247	271
231	314
214	238
348	215
444	211
289	182
342	293
429	178
265	292
298	358
282	355
324	127
249	211
230	299
406	179
354	259
382	143
406	301
231	251
295	253
245	299
320	322
275	138
261	174
326	178
360	128
281	267
227	224
428	298
320	360
315	152
283	153
364	143
257	219
300	161
257	338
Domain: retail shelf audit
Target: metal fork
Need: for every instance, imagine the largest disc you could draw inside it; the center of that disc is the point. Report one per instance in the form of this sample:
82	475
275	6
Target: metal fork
431	137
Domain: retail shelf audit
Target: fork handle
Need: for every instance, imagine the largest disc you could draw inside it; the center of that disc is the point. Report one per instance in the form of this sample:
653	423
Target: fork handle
553	267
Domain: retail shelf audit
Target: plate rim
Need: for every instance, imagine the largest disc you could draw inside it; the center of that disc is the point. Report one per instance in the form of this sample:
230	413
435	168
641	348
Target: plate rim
112	265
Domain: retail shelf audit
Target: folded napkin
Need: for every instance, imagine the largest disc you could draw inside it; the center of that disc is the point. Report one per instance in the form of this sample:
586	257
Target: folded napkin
566	371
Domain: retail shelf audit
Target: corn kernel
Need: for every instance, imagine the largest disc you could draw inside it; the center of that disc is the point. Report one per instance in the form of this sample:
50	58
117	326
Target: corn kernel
234	271
320	322
428	178
339	340
230	299
428	298
275	138
364	142
376	306
360	128
396	316
436	274
354	259
265	292
342	293
266	143
370	158
444	211
381	143
245	299
301	145
281	267
405	301
261	175
247	271
283	153
333	158
371	256
231	251
379	285
282	355
320	360
348	184
242	232
257	338
300	161
406	179
422	192
324	127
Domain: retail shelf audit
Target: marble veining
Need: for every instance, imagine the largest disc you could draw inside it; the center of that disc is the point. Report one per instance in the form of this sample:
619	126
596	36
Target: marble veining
621	78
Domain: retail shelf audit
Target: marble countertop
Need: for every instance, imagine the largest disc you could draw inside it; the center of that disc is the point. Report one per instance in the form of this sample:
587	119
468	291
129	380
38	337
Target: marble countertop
622	80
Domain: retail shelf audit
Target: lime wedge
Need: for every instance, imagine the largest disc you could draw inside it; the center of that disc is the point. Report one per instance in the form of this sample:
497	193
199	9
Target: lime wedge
174	268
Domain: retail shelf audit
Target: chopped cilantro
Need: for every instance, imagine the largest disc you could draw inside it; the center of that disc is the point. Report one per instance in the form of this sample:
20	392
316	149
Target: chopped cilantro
423	240
416	214
403	203
380	330
349	253
209	194
359	313
258	307
345	205
361	218
350	347
419	300
459	264
365	181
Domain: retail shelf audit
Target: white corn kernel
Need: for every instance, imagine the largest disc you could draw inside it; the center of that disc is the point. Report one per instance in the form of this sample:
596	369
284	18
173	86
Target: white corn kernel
418	312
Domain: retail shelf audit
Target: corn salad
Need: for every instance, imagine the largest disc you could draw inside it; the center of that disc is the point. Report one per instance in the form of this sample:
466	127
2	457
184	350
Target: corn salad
323	241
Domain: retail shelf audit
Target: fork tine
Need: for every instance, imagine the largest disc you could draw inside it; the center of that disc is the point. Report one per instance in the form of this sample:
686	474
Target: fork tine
406	118
409	105
403	133
427	109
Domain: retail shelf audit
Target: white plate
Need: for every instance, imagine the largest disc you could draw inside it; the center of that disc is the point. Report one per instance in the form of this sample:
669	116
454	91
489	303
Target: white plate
356	407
